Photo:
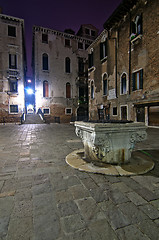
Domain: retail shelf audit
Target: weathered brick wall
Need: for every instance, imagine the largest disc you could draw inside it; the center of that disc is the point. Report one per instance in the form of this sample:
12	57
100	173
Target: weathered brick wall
143	54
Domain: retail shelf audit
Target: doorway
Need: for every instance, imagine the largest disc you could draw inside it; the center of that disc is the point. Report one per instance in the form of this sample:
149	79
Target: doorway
124	113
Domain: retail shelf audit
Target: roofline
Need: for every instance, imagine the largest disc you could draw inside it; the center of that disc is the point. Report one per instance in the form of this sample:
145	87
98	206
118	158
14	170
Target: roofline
11	18
62	33
123	8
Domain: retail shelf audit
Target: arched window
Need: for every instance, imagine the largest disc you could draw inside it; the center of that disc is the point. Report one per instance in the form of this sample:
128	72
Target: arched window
67	65
105	84
45	89
123	84
92	90
45	61
68	90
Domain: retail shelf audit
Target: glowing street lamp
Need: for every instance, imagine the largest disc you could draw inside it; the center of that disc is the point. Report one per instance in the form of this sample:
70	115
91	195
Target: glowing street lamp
30	91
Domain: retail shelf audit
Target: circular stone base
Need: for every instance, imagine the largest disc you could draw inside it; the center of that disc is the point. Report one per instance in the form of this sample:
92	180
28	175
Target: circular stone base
140	163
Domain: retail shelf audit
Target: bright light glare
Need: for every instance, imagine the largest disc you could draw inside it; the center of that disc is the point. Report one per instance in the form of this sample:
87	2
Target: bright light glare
29	81
30	106
30	91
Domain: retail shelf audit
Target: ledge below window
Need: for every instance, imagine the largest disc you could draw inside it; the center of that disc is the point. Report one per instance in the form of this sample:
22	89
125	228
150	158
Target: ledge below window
135	38
91	69
12	93
103	59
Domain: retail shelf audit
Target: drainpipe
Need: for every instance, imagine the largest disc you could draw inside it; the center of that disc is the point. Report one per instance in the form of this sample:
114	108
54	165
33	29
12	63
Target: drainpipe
130	59
116	67
116	75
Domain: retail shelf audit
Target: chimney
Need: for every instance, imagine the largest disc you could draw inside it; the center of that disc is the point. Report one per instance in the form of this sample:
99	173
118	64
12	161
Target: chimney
1	10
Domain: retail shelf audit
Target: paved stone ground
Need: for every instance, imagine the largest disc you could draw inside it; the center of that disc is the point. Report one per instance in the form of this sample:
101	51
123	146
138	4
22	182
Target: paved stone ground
42	198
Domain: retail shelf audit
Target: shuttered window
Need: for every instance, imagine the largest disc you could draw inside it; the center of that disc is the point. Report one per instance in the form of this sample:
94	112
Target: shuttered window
45	89
103	49
68	90
45	61
90	60
12	61
67	65
137	80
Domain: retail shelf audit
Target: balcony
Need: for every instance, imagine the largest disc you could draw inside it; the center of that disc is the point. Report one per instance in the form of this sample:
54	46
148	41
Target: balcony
13	73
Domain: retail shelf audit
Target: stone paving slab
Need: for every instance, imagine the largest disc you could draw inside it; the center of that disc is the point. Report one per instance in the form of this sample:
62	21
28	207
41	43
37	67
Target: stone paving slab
43	198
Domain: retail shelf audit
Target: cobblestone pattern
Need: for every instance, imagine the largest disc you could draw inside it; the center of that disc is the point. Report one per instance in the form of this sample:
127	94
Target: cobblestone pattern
42	198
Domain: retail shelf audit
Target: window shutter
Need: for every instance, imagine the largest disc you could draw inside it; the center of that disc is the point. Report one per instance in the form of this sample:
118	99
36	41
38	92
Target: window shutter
92	60
89	60
140	23
101	50
133	81
141	79
133	27
15	61
106	48
9	60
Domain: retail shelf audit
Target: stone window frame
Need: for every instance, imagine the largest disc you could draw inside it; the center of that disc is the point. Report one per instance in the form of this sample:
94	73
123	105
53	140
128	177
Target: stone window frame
116	111
10	33
67	65
68	90
135	84
13	112
136	28
67	42
105	73
44	68
91	60
103	48
13	85
47	108
66	113
45	89
80	45
44	38
92	89
124	105
13	61
127	82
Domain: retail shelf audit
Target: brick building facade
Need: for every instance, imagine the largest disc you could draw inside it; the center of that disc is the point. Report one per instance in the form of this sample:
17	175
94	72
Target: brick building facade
60	72
123	65
12	68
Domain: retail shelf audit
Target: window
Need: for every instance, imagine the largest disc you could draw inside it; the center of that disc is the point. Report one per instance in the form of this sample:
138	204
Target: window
45	89
68	90
80	45
67	42
103	49
11	31
46	110
86	46
68	111
67	65
12	61
13	108
93	33
136	26
45	61
105	85
92	90
124	113
44	38
137	80
13	86
123	84
80	65
90	60
114	111
87	31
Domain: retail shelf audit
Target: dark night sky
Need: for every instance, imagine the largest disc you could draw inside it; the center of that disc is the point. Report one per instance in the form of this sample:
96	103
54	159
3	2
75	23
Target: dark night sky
58	15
